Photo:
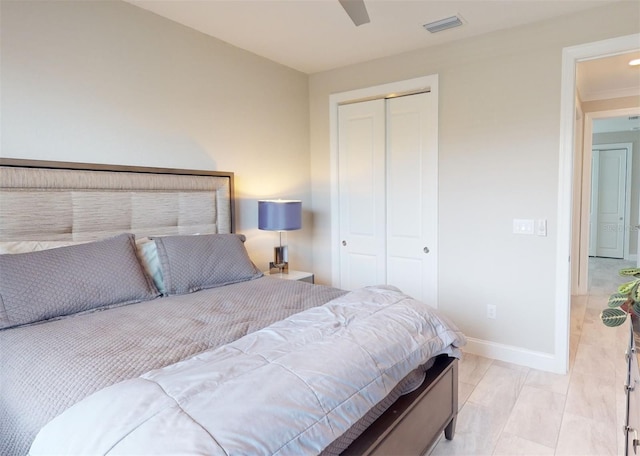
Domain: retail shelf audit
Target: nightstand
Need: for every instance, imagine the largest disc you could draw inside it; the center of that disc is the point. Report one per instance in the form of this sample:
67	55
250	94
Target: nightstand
300	276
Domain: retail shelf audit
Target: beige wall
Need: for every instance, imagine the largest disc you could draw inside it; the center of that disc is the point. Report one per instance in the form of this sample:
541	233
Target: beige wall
498	160
107	82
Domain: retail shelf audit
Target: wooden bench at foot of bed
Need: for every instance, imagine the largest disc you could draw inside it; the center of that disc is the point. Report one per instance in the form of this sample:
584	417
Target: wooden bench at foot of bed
415	422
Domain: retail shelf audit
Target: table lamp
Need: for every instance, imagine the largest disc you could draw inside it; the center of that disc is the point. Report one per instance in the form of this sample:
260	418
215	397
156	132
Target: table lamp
280	216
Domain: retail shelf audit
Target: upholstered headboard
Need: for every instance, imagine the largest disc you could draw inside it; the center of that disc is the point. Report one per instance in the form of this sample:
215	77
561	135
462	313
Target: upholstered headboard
57	201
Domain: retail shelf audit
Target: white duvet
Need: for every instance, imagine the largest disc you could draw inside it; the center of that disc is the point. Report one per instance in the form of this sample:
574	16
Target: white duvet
291	388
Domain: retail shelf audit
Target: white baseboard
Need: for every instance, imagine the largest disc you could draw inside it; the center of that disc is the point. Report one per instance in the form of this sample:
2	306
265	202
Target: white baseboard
633	257
516	355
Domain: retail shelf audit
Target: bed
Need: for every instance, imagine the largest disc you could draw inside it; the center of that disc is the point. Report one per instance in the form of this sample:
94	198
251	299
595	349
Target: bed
133	321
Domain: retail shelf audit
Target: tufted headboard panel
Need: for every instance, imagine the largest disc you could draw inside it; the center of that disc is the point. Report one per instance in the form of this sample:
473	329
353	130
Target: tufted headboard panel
56	201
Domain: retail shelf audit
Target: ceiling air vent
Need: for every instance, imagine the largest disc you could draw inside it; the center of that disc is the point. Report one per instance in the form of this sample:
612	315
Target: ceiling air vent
443	24
634	117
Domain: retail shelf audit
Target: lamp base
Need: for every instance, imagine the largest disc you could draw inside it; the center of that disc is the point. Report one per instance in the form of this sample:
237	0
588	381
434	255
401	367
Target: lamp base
280	263
280	268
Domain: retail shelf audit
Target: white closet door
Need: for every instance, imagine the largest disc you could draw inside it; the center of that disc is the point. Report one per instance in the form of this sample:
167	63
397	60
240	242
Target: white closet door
361	183
611	193
412	196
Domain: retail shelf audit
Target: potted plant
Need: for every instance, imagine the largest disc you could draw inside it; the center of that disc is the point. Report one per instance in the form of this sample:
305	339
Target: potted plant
625	301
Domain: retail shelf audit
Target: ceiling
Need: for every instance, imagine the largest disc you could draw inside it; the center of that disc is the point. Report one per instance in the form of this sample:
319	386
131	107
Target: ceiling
608	77
317	35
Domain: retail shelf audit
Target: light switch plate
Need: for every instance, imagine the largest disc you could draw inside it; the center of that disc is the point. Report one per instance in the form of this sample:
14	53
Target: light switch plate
541	227
523	226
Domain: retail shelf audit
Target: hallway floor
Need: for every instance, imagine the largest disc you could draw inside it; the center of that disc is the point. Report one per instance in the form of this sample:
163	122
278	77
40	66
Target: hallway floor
506	409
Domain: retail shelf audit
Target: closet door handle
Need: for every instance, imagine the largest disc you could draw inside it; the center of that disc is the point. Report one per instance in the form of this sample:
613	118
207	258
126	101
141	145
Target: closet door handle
344	243
635	442
426	250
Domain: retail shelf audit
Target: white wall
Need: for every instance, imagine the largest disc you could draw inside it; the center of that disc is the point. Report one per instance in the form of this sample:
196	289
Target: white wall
107	82
498	160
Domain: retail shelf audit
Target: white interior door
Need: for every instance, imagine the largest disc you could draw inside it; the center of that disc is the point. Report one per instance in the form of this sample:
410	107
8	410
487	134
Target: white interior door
361	181
411	196
608	218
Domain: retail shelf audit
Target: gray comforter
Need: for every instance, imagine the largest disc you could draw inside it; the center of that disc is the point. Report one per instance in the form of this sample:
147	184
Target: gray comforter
292	388
45	368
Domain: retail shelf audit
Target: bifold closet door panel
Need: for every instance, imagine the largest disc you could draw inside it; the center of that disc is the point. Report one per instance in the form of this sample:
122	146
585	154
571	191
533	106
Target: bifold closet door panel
411	196
361	180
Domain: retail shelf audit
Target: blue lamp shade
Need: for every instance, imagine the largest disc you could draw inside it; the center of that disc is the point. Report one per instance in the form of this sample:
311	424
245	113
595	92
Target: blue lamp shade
279	215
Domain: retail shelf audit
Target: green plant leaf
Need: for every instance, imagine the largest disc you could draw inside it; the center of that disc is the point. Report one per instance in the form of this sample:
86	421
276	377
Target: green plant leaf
630	272
635	308
626	288
613	317
616	300
634	293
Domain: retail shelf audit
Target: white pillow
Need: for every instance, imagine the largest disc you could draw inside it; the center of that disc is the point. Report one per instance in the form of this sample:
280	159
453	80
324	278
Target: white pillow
148	255
33	246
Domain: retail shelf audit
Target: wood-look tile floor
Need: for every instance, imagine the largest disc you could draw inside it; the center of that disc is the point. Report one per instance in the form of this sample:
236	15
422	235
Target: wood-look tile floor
506	409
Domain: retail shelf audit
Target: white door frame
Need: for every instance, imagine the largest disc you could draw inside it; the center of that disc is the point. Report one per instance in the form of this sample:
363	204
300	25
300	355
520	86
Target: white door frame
570	56
582	260
421	84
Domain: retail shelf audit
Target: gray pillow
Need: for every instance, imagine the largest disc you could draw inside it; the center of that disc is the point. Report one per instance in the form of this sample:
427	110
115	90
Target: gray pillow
50	283
192	263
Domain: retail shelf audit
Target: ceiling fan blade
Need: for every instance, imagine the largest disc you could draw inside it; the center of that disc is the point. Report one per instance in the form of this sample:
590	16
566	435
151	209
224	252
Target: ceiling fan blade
356	11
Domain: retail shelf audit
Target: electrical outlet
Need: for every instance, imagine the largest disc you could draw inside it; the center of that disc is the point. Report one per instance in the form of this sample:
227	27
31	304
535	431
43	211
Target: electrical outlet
491	311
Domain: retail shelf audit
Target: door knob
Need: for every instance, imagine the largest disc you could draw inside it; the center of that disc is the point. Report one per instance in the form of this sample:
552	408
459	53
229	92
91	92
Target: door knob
344	243
426	250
